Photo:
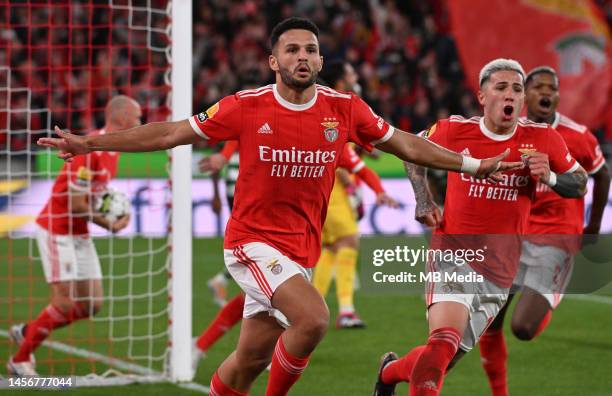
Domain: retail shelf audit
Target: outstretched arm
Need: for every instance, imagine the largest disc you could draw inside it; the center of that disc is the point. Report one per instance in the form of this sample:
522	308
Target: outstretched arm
154	136
420	151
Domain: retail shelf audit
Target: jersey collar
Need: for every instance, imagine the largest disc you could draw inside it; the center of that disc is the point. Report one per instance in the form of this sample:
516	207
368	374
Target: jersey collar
556	120
494	136
292	106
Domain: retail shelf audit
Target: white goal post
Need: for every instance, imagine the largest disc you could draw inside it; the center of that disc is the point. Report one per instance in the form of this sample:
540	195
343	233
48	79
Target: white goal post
181	279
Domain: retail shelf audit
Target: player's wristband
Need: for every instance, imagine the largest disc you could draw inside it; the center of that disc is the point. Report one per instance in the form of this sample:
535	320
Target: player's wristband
552	179
470	165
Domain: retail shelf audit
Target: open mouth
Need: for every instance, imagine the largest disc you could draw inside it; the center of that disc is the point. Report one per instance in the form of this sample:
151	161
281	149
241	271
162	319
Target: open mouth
545	103
508	110
303	69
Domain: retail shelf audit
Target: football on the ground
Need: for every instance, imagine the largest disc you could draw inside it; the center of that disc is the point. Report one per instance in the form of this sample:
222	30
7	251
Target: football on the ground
112	204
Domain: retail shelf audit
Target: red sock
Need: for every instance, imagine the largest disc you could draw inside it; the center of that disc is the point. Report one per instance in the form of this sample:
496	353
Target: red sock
429	369
544	323
401	369
285	371
48	319
228	316
493	355
218	388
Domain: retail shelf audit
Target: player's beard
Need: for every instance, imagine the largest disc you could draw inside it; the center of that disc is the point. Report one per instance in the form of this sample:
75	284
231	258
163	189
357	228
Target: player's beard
291	82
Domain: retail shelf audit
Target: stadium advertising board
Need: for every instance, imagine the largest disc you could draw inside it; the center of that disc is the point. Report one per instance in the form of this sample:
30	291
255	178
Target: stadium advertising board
149	209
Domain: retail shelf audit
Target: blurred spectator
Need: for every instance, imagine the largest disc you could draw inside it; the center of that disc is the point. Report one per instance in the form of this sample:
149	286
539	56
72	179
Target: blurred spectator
402	50
62	61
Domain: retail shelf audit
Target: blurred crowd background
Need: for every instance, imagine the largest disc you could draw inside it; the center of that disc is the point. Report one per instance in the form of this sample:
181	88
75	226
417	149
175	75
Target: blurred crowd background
402	50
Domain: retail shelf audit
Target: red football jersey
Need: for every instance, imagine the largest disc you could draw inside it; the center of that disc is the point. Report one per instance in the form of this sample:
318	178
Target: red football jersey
88	173
288	156
553	214
493	215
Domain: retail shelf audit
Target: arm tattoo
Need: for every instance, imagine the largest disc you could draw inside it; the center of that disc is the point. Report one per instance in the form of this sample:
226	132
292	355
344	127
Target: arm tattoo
418	178
571	185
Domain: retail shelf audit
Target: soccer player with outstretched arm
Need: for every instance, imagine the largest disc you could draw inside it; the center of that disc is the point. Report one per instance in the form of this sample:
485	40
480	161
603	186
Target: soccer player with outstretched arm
286	175
488	219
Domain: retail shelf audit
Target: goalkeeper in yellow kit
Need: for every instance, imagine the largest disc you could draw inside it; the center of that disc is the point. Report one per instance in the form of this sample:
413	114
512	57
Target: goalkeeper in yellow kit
340	234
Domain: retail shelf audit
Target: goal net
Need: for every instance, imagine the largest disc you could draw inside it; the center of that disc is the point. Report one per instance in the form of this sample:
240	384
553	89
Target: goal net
60	62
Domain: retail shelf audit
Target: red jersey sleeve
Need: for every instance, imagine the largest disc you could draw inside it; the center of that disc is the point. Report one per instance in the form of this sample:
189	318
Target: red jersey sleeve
371	179
589	153
81	172
367	128
559	157
220	121
349	160
229	149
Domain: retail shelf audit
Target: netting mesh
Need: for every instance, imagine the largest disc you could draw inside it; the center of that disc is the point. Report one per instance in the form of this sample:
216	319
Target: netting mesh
60	62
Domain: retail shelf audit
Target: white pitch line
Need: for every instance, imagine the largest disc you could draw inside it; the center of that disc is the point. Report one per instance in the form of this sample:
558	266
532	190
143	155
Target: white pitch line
114	362
591	297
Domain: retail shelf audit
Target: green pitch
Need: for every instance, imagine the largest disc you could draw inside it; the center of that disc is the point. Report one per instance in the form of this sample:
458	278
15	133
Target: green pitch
572	357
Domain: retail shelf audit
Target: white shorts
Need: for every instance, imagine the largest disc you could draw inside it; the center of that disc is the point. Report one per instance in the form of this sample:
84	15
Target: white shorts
545	269
259	270
483	299
67	257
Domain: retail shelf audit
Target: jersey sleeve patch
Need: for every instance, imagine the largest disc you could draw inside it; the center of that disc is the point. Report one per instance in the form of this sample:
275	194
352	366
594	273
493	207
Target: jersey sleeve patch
429	132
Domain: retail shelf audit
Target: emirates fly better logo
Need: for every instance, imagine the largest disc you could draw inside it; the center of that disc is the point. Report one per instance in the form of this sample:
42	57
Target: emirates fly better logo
506	189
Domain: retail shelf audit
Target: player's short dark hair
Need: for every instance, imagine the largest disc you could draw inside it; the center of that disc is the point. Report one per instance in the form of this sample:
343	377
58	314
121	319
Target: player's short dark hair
333	72
539	70
292	23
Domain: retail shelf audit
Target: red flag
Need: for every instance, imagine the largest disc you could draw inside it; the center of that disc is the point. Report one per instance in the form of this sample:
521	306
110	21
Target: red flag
570	36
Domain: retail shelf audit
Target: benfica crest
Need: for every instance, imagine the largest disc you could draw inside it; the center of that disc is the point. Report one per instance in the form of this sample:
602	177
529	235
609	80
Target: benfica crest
331	130
526	150
275	267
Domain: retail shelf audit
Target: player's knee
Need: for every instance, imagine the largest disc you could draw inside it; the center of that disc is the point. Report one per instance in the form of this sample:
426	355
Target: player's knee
314	325
524	331
90	308
253	362
64	305
96	306
317	328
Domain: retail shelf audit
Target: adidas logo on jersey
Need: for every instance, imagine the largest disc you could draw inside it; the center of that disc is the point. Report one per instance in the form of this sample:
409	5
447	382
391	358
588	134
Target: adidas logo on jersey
466	151
265	128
